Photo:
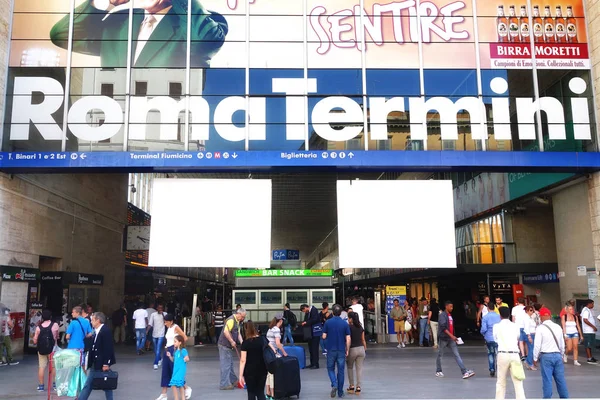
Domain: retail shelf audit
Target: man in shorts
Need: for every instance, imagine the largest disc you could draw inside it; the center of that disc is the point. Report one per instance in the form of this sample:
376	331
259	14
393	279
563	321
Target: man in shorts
399	314
589	330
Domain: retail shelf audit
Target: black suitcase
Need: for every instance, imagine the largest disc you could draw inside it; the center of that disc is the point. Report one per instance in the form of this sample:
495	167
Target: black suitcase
286	378
105	380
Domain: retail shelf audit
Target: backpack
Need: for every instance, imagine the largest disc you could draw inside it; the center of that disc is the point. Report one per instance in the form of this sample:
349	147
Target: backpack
46	341
292	321
117	317
269	356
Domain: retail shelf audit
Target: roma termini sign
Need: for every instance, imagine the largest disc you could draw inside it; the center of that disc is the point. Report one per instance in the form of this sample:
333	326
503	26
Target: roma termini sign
326	115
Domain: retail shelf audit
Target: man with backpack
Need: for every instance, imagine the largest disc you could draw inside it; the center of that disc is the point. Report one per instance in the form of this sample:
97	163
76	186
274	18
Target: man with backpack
45	337
289	324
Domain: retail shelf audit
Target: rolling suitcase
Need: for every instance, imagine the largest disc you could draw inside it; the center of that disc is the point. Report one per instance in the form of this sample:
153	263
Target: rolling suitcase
298	352
286	378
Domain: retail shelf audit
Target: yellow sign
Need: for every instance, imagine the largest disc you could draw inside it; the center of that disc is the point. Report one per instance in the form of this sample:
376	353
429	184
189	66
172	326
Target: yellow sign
395	290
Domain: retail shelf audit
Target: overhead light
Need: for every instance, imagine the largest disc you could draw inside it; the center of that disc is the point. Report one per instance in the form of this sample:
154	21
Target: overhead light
541	200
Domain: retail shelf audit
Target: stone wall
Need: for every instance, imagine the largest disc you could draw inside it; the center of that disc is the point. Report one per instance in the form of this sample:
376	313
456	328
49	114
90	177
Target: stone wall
533	234
71	222
573	238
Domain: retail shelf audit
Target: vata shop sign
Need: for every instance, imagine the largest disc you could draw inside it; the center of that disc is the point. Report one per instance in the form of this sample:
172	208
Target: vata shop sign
19	274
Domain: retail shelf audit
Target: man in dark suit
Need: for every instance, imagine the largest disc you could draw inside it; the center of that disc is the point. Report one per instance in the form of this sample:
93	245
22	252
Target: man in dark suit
159	38
102	355
312	322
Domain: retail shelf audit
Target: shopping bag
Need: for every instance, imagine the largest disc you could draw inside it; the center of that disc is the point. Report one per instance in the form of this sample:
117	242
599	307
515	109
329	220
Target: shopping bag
517	370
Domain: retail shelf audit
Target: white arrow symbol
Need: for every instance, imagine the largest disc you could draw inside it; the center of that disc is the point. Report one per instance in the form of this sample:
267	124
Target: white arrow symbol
350	155
82	156
234	155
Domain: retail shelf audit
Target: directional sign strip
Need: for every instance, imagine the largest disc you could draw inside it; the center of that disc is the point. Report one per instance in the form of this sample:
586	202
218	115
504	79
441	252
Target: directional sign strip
383	160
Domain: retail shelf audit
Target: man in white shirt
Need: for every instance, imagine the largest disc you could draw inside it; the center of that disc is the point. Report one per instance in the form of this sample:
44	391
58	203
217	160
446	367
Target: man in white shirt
549	347
507	334
358	308
483	310
157	324
140	316
150	310
518	317
588	325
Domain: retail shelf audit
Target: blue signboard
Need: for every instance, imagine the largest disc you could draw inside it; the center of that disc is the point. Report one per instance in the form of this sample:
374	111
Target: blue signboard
398	160
540	278
283	255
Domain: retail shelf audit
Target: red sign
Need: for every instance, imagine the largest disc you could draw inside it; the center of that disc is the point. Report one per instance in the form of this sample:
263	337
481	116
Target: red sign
517	292
542	51
18	319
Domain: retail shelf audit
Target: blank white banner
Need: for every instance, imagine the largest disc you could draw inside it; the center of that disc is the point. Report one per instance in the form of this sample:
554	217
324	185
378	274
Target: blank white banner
211	223
396	224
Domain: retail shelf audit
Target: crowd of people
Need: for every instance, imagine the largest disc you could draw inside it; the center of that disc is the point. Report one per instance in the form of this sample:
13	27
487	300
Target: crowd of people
87	333
517	339
527	337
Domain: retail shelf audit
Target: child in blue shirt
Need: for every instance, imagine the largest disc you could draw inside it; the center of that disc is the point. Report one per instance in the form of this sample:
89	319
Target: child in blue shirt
180	360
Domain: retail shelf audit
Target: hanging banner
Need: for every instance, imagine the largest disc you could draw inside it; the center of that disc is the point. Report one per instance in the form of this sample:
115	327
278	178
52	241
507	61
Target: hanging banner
393	293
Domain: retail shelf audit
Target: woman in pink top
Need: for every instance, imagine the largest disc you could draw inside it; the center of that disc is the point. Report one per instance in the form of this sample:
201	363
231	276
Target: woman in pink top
45	345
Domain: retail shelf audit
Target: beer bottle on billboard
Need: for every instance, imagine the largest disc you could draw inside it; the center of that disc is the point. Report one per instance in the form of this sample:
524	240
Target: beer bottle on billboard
513	26
548	26
560	27
524	25
571	26
502	25
538	25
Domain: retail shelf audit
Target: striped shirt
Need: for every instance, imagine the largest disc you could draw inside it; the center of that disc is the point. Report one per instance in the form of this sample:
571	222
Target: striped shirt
219	317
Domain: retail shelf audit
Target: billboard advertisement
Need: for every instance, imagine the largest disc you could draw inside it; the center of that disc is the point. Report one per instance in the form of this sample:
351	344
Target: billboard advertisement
178	80
336	32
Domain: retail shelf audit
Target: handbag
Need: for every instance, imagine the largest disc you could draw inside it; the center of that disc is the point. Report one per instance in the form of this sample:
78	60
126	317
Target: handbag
407	326
88	341
517	370
317	329
307	332
105	380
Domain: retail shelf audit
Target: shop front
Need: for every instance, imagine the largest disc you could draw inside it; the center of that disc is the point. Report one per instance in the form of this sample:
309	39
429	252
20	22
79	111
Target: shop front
19	296
61	291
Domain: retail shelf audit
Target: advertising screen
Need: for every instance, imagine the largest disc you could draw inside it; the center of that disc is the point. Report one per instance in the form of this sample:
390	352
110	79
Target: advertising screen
177	83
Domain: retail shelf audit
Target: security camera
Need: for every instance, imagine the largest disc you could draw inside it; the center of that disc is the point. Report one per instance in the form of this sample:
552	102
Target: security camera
133	189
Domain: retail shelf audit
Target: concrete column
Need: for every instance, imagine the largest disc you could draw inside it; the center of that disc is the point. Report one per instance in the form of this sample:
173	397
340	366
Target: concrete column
574	245
594	202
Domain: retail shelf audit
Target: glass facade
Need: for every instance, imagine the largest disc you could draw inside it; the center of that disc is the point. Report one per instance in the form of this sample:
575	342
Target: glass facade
314	75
